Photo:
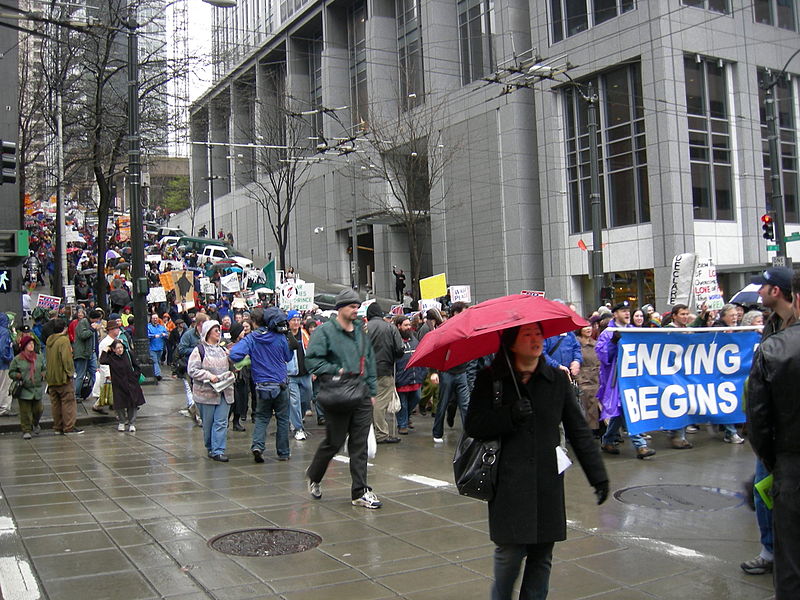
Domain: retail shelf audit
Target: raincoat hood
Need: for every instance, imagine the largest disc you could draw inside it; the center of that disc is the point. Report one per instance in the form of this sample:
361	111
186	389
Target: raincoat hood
272	316
205	328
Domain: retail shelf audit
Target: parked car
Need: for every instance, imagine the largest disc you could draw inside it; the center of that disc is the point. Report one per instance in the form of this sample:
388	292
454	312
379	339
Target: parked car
325	301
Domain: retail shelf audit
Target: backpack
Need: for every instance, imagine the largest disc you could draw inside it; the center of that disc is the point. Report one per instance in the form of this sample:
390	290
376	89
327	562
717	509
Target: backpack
182	362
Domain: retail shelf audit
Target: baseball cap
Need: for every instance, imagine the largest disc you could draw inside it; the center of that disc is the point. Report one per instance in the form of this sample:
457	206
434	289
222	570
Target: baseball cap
777	276
292	314
624	305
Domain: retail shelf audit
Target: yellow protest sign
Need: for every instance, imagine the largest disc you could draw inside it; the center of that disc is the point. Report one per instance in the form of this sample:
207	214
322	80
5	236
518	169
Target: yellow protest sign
433	287
167	282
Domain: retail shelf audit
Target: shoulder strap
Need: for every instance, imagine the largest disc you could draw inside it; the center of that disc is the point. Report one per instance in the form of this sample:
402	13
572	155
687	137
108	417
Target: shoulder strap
558	343
201	349
362	358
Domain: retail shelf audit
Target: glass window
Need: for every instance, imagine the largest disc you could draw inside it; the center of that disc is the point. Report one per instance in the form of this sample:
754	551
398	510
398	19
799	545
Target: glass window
709	139
315	71
776	12
409	50
475	28
622	154
357	33
720	6
568	17
784	97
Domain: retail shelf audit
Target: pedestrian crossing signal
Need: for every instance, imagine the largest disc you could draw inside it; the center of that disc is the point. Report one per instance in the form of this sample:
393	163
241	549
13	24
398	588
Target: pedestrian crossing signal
768	227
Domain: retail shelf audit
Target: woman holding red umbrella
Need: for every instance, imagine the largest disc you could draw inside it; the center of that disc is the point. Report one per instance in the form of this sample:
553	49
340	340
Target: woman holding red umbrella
527	515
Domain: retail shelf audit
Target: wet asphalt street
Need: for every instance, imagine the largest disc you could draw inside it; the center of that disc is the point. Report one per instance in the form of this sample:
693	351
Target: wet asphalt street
129	516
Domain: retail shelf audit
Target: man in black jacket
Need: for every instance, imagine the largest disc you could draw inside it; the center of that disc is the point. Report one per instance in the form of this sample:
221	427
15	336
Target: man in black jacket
388	347
773	415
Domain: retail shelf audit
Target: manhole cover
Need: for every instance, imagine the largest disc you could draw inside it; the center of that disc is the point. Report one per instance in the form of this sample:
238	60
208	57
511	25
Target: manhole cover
265	542
680	497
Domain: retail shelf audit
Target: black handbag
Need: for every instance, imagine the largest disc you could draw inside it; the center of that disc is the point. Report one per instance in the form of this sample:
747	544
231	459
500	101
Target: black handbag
343	393
475	463
86	386
15	389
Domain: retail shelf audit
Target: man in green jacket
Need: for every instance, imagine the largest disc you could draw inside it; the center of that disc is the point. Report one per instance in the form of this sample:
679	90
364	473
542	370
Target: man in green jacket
59	372
84	349
340	347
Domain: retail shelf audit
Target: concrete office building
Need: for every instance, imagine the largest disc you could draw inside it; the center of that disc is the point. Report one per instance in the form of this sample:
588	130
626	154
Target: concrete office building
681	129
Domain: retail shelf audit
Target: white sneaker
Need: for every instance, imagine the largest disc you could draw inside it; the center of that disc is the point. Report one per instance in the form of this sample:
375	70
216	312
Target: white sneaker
368	500
315	491
132	429
121	427
438	440
300	435
734	438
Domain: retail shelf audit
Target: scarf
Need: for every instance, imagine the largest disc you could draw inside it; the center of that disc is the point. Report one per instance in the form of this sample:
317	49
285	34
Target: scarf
30	356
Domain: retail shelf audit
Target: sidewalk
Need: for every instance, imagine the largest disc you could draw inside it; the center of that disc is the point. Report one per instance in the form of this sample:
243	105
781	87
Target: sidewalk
128	516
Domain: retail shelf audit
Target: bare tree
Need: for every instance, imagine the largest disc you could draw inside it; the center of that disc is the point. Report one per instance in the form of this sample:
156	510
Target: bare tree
278	168
410	154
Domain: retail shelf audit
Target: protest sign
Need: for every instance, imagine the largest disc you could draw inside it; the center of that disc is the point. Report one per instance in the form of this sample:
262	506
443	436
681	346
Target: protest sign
681	274
460	293
426	304
229	283
167	282
537	293
705	287
206	287
153	258
156	294
239	303
183	284
670	380
433	287
296	295
124	228
69	293
49	302
396	309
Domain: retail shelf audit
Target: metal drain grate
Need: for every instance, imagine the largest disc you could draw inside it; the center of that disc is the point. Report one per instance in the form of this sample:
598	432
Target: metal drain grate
680	497
265	542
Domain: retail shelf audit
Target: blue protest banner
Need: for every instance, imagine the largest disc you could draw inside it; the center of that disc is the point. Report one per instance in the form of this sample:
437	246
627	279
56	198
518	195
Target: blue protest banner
668	380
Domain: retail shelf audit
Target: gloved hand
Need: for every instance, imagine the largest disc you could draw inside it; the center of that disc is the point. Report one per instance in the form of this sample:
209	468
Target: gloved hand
615	336
521	409
601	491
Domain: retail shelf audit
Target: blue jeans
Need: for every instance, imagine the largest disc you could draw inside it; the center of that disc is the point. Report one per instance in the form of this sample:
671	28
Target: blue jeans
763	516
271	398
155	356
612	433
536	577
449	383
408	402
299	397
83	366
215	426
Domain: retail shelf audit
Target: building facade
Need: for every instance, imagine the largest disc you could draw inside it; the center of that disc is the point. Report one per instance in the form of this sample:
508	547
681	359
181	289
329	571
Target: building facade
500	155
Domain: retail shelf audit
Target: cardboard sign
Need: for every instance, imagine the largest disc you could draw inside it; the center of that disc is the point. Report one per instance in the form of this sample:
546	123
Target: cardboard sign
156	294
460	293
239	303
297	296
69	293
229	283
681	274
183	284
153	258
426	304
704	285
167	282
433	287
49	302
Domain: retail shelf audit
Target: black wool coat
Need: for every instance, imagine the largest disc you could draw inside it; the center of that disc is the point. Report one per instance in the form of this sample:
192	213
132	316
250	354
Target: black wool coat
528	507
125	373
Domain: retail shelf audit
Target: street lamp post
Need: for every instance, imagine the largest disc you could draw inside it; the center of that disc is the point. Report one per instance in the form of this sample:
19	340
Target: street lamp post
210	180
141	343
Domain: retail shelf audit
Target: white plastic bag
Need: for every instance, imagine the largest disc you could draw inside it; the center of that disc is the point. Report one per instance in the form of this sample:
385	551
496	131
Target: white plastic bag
394	403
372	443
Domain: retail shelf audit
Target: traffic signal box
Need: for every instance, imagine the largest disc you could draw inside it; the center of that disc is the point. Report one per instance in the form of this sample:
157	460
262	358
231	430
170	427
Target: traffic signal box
768	227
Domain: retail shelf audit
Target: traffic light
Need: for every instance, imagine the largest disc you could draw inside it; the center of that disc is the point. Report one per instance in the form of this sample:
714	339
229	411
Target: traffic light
8	168
768	227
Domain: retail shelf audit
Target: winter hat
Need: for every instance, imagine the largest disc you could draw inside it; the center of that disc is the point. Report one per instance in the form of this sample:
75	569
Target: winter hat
23	341
374	310
236	331
346	297
292	314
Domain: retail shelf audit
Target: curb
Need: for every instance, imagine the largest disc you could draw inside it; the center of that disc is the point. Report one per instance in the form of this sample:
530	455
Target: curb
14	427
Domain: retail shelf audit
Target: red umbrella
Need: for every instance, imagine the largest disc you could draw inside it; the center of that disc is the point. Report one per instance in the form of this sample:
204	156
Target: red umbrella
476	331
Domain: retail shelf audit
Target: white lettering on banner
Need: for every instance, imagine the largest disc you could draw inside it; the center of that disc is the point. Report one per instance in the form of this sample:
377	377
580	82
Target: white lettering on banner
678	401
671	359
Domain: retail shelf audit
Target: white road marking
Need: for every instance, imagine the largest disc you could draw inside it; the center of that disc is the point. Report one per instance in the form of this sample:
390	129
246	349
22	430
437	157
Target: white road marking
346	460
17	580
437	483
